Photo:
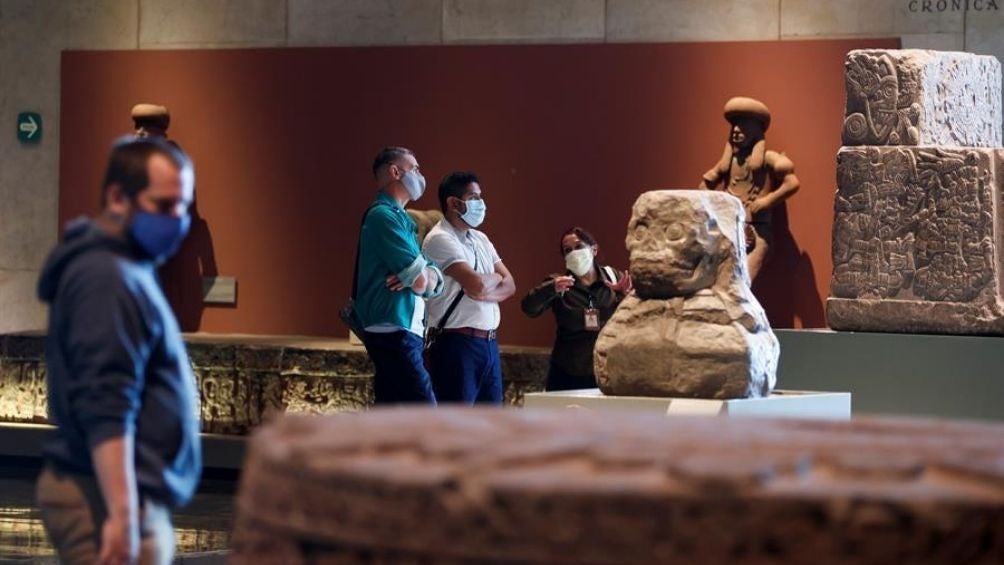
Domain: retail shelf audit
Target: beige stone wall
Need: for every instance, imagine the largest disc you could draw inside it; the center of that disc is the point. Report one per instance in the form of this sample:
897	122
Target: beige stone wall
33	32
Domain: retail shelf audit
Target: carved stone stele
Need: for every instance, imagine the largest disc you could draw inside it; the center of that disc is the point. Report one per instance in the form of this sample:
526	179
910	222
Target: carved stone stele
917	97
917	240
693	328
474	486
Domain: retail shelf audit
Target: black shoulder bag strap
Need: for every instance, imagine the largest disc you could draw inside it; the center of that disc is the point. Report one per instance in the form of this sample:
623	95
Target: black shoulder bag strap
456	301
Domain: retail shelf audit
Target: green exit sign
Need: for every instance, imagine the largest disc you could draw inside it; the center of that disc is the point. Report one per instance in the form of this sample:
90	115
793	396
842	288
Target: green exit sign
29	127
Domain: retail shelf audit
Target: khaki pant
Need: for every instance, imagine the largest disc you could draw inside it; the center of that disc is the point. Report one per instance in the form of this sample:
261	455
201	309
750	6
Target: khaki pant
73	512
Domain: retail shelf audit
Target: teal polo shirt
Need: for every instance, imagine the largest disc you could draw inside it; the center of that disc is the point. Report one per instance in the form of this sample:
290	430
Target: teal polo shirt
388	246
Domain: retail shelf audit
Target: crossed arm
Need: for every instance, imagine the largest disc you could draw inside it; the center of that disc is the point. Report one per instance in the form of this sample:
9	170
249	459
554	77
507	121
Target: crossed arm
486	287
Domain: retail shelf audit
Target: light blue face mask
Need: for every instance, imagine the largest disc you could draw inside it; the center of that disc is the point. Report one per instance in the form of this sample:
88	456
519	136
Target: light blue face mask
414	184
159	235
475	214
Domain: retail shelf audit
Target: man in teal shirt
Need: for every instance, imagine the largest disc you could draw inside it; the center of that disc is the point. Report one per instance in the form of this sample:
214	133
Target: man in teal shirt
393	282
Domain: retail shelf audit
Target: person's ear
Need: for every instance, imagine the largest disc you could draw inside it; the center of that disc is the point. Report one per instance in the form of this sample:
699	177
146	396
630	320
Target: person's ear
596	250
395	171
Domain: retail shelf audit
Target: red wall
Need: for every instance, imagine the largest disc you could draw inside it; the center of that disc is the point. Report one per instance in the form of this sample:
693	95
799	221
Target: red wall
562	135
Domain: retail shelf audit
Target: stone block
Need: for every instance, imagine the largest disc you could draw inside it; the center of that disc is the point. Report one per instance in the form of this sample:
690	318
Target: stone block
492	21
691	20
463	486
22	391
320	394
211	23
917	240
328	362
230	401
916	97
983	31
693	327
365	22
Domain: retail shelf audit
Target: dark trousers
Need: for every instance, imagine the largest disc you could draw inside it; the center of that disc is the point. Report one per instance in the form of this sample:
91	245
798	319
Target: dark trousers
466	369
560	380
400	373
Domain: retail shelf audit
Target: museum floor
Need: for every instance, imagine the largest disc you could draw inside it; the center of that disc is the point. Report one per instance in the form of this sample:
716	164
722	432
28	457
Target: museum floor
202	529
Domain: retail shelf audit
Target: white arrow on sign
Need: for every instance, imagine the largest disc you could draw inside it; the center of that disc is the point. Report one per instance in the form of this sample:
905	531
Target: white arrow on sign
31	126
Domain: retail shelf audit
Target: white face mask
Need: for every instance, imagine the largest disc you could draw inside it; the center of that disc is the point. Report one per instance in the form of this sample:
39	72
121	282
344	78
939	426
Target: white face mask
475	213
580	261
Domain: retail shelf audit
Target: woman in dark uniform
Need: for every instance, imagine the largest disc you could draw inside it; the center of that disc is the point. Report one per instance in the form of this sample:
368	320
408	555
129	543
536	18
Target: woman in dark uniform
582	299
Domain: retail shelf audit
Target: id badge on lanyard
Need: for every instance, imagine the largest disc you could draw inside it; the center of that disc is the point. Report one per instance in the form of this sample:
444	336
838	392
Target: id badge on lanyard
591	316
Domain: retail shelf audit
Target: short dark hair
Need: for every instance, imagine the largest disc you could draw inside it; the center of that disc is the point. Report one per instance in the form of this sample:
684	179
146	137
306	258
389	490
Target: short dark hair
454	184
388	155
127	165
582	234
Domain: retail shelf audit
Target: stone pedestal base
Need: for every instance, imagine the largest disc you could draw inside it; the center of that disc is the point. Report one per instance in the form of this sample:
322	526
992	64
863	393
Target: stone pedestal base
782	403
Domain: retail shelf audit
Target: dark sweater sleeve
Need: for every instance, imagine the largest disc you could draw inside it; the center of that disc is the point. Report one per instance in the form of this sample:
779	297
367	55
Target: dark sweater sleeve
539	299
107	343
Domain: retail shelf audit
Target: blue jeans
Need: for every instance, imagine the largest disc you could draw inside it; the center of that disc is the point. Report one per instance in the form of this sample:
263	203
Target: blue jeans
466	369
400	373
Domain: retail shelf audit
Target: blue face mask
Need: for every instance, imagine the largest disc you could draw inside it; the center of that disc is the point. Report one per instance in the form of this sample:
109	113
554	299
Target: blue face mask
159	235
475	214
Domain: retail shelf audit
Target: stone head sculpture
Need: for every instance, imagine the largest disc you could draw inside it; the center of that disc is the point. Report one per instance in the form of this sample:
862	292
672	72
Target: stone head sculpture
693	328
679	240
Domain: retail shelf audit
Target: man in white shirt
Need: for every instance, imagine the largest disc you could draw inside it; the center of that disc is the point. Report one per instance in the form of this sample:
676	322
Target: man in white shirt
464	356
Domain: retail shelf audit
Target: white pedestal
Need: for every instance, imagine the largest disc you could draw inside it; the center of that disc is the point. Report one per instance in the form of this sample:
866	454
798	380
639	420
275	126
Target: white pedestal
782	403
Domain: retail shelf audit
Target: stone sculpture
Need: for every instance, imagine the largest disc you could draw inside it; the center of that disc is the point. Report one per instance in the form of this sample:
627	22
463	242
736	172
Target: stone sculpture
916	97
150	120
693	328
420	486
917	230
424	220
760	178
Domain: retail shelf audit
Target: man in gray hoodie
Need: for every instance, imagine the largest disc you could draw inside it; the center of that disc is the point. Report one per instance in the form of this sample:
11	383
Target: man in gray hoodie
121	391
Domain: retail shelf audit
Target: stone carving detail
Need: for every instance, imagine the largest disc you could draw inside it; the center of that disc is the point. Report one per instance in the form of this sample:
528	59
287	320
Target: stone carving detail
566	487
916	230
915	97
914	224
242	385
693	328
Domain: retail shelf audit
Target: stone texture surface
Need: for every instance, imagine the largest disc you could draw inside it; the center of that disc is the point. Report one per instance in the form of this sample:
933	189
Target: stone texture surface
691	20
489	21
693	328
983	31
915	97
245	381
521	487
208	23
365	22
916	240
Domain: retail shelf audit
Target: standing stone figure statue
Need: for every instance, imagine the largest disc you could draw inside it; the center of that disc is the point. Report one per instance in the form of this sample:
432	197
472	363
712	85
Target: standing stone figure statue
760	178
693	327
150	120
